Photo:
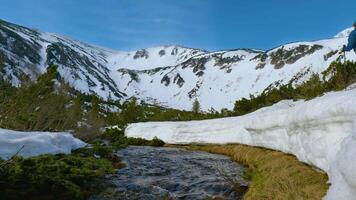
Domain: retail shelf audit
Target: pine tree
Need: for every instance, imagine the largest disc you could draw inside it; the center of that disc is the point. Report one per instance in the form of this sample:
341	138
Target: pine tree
196	106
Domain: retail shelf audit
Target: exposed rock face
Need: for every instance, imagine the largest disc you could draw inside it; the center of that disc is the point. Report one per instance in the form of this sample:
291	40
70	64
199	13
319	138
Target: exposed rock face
141	54
282	56
162	52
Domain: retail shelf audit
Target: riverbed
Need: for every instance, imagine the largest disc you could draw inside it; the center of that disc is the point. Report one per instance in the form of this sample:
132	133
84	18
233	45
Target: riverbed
174	173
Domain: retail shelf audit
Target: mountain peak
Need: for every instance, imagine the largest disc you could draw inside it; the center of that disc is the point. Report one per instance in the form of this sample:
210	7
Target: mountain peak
344	33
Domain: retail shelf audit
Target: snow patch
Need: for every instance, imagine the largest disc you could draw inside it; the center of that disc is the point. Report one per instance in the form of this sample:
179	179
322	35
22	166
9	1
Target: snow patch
36	143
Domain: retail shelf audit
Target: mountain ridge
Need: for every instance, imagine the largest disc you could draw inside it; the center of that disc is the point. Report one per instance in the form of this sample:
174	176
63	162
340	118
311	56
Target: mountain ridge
167	75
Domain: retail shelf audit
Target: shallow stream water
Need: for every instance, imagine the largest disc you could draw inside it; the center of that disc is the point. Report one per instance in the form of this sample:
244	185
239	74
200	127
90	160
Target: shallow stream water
173	173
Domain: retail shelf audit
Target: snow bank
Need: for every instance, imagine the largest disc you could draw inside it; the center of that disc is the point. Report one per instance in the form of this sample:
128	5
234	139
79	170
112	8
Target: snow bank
36	143
321	132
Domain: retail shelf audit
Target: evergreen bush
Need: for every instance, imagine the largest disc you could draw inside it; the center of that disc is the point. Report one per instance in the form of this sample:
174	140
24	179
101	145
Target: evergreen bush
51	176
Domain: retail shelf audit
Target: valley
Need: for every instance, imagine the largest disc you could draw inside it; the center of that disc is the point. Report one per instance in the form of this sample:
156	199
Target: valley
78	121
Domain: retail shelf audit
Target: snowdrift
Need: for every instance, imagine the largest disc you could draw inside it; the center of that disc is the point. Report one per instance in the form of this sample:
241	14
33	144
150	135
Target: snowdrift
36	143
321	132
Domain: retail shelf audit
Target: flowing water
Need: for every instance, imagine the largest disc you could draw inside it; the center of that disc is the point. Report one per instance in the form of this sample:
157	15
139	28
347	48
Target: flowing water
172	173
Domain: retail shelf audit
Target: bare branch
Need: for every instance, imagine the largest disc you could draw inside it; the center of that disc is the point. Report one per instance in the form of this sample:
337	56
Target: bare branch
9	161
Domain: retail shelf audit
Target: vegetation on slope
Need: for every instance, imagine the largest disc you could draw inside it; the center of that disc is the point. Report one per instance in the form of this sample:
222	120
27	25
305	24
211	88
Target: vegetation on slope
274	175
337	77
49	104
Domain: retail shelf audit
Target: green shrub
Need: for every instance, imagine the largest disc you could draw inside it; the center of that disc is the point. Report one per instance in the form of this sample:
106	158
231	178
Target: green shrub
51	176
310	89
155	142
119	140
96	149
340	75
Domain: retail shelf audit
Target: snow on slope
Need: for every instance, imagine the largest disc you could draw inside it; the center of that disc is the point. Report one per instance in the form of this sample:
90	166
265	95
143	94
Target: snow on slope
218	79
28	52
321	132
87	68
36	143
344	33
150	58
172	76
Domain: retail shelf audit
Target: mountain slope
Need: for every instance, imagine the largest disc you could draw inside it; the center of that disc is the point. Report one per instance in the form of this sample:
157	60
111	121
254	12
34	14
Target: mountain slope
27	52
218	79
151	58
172	76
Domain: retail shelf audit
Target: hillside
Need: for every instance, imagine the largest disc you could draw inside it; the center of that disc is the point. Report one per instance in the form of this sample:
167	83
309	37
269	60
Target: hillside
172	76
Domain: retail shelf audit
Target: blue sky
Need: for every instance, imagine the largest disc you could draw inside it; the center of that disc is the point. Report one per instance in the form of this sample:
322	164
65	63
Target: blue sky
206	24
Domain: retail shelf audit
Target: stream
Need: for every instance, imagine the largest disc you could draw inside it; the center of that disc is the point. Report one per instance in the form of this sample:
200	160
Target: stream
174	173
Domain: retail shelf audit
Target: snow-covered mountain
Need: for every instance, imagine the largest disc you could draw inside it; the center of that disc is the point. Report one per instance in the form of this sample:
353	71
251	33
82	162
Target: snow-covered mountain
172	76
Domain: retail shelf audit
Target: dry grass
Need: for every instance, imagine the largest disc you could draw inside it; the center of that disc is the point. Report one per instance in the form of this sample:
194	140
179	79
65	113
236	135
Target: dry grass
274	175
